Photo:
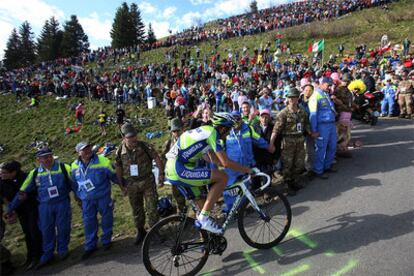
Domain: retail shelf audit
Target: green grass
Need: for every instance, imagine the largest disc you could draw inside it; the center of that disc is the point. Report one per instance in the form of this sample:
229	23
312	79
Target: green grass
47	122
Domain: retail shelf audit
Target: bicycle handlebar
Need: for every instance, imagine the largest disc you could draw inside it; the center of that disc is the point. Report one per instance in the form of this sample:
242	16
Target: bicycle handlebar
261	174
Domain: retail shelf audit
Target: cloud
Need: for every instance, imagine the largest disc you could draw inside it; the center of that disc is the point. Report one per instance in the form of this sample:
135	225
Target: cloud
147	7
13	13
190	19
5	31
225	8
36	12
96	28
161	28
200	2
169	11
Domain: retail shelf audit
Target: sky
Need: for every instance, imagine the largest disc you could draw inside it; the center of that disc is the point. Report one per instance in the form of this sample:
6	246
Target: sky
96	16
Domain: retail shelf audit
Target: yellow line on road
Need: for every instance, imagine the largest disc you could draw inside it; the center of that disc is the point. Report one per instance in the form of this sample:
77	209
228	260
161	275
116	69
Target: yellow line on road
303	238
252	262
350	265
297	270
277	250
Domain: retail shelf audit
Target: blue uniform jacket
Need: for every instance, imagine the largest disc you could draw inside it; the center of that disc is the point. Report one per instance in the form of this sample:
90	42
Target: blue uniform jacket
322	110
93	181
389	91
51	185
239	147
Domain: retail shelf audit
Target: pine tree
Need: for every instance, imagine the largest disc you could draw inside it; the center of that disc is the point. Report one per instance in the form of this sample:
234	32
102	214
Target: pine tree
74	39
49	41
151	35
137	25
122	32
27	45
12	52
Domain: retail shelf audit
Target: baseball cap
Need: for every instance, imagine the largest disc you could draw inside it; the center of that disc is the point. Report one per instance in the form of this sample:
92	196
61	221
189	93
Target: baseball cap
264	111
44	152
81	146
327	80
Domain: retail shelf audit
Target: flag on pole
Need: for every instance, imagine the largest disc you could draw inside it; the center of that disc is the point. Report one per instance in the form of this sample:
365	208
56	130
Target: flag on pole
317	46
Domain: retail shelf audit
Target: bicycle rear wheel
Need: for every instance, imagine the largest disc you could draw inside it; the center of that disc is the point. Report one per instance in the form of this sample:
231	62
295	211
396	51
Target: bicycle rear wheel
265	231
162	253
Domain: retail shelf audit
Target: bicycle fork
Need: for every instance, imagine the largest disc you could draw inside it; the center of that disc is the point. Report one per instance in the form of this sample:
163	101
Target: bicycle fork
253	202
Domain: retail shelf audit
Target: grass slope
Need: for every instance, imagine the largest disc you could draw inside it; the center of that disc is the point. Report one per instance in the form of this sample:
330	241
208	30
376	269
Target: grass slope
47	121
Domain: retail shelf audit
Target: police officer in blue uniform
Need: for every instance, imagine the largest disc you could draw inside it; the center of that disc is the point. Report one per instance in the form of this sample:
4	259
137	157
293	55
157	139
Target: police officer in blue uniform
239	148
53	184
323	128
93	175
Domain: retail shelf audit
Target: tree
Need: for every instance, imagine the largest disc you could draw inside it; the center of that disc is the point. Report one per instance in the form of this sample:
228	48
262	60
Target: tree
12	52
122	32
128	28
27	45
137	24
74	39
49	41
151	35
253	7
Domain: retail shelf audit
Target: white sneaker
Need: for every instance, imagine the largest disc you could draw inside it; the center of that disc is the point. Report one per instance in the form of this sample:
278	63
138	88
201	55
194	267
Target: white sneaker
209	225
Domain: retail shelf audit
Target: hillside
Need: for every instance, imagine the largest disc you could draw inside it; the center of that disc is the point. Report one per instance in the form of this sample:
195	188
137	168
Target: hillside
19	126
362	27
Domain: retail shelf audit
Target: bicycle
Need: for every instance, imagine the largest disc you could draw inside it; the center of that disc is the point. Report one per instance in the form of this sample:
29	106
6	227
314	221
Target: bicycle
176	243
36	145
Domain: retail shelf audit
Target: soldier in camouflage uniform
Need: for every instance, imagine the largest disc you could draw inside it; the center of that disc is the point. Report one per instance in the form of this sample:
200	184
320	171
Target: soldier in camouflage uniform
176	131
6	267
134	166
292	123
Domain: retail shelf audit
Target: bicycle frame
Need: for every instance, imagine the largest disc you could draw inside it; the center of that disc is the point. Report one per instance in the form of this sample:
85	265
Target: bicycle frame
243	194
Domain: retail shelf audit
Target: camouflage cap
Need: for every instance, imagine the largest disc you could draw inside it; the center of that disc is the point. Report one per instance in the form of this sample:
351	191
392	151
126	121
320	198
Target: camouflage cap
128	130
176	124
293	92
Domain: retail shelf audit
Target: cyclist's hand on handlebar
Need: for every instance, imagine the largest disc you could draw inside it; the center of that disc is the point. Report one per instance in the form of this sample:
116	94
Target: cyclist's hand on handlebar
255	171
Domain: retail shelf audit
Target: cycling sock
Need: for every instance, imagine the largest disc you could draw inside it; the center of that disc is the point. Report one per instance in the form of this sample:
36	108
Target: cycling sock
203	215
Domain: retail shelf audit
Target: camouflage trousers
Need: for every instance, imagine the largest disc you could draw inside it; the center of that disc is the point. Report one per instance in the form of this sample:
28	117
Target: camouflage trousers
179	198
138	192
293	157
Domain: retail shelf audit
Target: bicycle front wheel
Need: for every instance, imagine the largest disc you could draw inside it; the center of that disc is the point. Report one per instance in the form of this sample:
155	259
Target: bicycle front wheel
265	230
174	246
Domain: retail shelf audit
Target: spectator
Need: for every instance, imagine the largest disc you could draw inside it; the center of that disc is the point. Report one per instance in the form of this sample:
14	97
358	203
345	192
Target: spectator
322	123
239	148
388	103
134	164
176	131
52	184
103	120
292	124
405	100
11	179
93	175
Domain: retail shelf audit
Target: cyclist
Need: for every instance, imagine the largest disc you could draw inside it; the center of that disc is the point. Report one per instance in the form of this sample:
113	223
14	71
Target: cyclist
182	169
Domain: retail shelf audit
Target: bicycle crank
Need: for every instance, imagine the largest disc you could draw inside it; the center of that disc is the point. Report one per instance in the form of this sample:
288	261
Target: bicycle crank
217	244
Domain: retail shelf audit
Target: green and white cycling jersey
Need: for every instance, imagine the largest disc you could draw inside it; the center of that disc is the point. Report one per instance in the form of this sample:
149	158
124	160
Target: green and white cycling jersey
193	144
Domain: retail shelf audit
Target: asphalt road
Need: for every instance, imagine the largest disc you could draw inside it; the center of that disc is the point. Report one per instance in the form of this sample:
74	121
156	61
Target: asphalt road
358	222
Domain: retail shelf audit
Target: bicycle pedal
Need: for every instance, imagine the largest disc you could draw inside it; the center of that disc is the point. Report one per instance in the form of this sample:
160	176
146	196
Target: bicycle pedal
197	224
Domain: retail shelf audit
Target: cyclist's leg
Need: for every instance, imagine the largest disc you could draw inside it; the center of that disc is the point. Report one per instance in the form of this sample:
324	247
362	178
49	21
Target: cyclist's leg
218	184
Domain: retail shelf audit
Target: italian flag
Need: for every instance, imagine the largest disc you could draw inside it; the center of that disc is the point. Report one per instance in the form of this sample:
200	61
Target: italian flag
317	46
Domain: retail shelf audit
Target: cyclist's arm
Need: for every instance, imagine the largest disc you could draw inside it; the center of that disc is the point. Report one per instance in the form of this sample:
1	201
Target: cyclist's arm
229	164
